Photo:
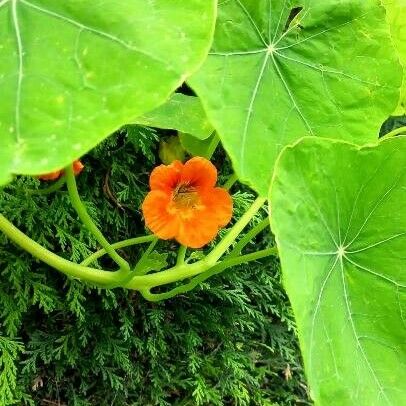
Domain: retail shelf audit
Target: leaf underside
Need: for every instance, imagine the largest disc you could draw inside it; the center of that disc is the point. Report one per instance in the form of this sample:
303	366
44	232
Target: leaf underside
268	81
340	224
182	113
73	72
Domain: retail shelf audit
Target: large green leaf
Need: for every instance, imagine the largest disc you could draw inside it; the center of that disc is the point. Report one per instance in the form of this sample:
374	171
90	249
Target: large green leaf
73	71
182	113
331	72
396	16
338	213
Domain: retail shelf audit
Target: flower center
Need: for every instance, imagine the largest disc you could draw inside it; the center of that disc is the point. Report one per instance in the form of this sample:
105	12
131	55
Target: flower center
185	196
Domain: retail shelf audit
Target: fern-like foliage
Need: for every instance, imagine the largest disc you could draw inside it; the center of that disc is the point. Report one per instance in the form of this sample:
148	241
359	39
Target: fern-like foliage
231	341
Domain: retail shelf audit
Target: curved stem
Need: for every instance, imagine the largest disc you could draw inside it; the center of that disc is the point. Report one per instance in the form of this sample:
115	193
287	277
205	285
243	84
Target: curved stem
121	244
69	268
181	255
393	133
225	243
155	297
230	181
174	274
51	189
111	279
88	222
248	237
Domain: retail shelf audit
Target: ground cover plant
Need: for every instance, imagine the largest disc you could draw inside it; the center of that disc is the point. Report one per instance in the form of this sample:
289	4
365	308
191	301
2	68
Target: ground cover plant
297	93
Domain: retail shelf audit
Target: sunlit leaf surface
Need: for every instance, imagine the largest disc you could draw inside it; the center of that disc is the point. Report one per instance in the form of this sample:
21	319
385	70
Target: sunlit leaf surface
340	224
72	72
277	72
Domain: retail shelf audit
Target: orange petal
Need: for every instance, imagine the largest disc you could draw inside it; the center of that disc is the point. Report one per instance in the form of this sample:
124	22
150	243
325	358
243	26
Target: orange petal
77	167
158	220
219	205
165	177
50	176
199	172
197	231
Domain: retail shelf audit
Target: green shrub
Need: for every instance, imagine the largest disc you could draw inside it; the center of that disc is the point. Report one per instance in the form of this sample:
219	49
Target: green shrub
230	342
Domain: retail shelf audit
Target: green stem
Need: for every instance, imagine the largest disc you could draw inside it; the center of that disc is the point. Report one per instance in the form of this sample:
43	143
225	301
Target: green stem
211	272
230	181
88	222
248	237
96	276
181	255
138	270
393	133
174	274
51	189
109	279
225	243
69	268
213	146
121	244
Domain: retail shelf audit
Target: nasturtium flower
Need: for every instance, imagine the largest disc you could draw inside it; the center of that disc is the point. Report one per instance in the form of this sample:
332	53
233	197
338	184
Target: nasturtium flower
77	168
184	203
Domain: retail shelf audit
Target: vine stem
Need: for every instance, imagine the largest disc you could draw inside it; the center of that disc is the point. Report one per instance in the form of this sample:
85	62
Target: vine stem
225	243
69	268
393	133
248	237
88	222
110	279
51	189
228	263
121	244
230	181
181	255
96	276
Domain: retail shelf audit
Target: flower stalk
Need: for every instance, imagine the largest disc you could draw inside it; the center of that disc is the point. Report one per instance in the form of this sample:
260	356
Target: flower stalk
88	222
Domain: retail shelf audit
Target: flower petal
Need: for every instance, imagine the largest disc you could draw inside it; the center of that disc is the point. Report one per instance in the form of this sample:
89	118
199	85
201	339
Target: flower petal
219	205
157	218
197	231
199	172
50	176
166	177
77	167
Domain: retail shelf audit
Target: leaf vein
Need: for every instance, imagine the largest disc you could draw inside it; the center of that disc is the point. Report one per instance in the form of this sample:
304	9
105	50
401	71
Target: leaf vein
392	281
250	109
20	73
325	31
246	12
327	69
359	345
377	243
100	33
316	310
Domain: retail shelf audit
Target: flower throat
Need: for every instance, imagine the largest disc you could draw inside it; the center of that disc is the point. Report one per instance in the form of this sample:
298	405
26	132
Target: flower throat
185	196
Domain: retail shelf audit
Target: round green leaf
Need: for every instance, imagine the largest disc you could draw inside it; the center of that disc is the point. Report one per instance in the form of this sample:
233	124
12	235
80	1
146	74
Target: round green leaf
72	72
268	81
339	220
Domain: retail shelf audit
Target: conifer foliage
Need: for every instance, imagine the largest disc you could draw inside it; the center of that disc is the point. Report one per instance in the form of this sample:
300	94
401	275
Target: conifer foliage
65	343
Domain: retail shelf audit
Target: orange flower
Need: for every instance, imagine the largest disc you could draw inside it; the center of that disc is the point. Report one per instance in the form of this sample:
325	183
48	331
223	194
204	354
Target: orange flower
77	168
185	204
